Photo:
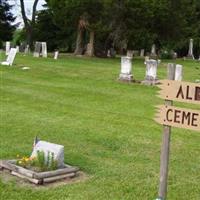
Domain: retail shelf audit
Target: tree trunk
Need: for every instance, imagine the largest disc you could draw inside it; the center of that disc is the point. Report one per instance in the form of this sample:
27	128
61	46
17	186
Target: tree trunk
79	42
90	45
27	23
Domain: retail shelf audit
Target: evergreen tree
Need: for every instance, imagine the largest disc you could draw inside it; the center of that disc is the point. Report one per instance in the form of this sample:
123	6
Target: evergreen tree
6	18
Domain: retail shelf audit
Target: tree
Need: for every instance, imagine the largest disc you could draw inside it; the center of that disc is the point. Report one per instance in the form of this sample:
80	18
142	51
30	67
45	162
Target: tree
6	18
29	24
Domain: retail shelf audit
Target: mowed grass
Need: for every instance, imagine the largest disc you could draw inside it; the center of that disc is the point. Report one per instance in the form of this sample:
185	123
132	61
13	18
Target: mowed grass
107	128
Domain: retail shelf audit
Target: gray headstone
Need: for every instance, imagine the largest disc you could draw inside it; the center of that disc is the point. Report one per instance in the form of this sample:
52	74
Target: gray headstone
151	72
47	147
11	56
190	51
126	69
26	51
142	53
37	50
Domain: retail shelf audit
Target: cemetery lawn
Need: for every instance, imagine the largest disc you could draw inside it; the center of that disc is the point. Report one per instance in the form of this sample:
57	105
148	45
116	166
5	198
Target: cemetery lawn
107	129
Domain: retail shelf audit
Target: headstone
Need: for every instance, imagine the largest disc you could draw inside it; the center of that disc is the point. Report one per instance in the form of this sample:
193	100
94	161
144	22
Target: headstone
112	52
1	55
151	72
146	58
190	51
174	55
44	49
11	56
7	48
135	52
153	50
17	47
47	147
89	50
26	51
108	53
142	53
56	55
130	53
37	49
126	69
179	72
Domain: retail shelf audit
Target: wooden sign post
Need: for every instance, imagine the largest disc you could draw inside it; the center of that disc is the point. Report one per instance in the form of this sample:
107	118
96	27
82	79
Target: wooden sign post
169	116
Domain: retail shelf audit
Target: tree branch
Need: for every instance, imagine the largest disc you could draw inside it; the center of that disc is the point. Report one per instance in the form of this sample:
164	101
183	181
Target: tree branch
34	11
24	13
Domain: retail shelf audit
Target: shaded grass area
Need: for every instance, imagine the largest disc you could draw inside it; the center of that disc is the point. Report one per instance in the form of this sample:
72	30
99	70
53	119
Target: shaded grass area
107	128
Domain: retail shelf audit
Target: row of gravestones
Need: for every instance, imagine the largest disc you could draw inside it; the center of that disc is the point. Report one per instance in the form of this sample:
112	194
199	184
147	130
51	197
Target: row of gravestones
131	53
40	50
151	71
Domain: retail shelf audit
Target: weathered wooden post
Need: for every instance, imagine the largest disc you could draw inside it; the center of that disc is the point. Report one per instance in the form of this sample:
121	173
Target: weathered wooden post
165	148
171	116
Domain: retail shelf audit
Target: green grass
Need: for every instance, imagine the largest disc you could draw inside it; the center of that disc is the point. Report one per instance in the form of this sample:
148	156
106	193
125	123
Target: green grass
107	128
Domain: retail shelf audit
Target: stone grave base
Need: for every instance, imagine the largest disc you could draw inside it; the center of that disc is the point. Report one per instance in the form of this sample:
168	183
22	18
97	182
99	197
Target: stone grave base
38	178
150	81
126	77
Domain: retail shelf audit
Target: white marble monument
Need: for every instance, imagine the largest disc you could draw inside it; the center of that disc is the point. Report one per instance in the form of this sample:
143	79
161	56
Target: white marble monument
7	48
179	72
190	51
47	147
151	72
126	69
10	58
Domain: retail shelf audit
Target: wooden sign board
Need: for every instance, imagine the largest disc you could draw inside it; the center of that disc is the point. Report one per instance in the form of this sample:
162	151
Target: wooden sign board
180	91
178	117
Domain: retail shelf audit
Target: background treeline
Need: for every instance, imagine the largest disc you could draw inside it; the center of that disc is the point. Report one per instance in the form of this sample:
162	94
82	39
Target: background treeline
69	25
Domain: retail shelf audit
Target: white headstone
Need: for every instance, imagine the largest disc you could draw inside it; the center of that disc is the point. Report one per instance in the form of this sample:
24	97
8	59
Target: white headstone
151	69
190	51
11	56
47	147
126	69
7	47
56	55
179	72
44	49
142	53
153	50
